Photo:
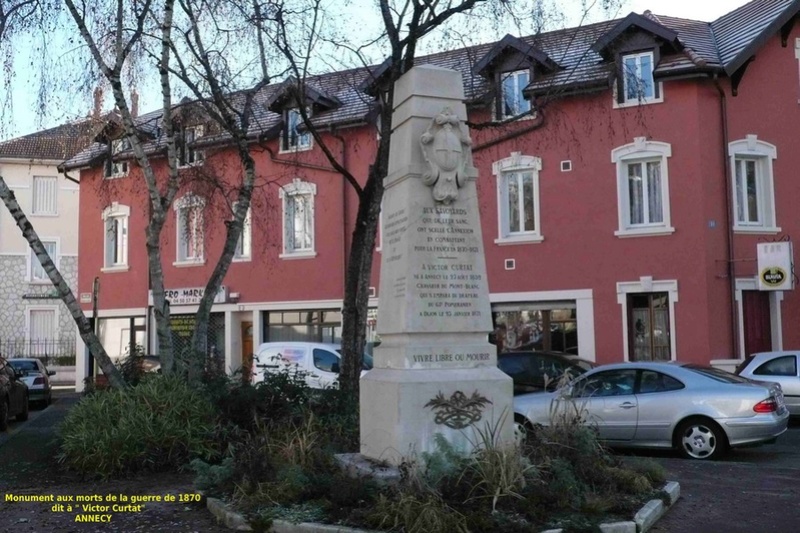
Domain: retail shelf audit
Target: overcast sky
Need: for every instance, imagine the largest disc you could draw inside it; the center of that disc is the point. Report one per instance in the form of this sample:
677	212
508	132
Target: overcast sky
707	10
26	121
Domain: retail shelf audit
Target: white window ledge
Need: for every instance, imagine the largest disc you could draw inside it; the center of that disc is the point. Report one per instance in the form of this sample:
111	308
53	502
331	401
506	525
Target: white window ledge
44	215
519	239
40	282
115	268
293	149
241	259
757	229
298	255
190	165
527	115
644	232
188	264
634	103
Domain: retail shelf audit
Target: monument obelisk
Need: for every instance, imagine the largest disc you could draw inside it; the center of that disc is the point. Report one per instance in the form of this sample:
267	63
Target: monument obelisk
435	371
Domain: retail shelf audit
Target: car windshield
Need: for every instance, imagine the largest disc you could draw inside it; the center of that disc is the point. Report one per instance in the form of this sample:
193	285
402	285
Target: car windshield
717	374
26	366
743	364
582	365
366	360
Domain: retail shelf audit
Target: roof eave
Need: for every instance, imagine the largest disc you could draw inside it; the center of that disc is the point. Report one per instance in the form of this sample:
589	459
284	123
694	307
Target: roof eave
635	20
742	57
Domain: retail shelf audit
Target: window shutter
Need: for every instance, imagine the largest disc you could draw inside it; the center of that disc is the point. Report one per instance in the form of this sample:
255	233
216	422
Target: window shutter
45	191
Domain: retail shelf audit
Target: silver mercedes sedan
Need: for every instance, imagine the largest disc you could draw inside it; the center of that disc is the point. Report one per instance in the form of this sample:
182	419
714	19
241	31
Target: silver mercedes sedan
698	410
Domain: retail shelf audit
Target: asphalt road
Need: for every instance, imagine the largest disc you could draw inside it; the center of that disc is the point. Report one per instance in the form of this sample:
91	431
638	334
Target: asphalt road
752	490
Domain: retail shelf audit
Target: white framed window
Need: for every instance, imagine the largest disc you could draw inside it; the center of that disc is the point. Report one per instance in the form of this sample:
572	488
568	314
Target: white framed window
638	84
292	139
643	188
114	168
44	200
518	213
753	185
512	102
115	240
244	247
298	219
36	271
42	329
187	154
190	230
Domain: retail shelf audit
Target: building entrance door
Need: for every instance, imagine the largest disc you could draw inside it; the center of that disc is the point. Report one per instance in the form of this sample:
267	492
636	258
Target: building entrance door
247	350
756	321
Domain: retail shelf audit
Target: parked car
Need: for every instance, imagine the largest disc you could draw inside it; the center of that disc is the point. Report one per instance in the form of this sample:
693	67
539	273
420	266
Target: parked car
540	371
13	395
36	377
700	411
318	362
778	367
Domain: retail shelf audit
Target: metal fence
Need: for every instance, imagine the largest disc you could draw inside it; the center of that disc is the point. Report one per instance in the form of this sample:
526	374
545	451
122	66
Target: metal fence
48	350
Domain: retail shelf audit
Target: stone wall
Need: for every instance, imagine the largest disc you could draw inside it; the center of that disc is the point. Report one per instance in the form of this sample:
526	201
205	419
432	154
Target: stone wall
14	284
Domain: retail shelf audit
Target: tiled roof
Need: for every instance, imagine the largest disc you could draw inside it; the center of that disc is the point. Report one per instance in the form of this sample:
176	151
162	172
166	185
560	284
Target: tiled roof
739	33
720	46
58	144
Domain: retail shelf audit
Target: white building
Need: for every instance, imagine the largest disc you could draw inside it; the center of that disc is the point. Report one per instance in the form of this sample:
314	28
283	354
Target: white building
33	321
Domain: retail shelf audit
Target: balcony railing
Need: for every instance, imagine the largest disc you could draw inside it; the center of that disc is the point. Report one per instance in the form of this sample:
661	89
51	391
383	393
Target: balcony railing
50	351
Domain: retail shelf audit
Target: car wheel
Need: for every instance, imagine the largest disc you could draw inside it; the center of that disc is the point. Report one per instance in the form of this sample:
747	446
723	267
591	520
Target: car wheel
22	416
700	438
3	414
522	429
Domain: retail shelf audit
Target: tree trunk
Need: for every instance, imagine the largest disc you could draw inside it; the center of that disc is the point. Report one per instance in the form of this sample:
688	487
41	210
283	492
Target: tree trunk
64	292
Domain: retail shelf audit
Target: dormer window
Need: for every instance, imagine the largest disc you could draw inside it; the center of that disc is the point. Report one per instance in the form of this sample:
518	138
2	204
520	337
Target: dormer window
637	75
117	169
512	102
292	139
188	155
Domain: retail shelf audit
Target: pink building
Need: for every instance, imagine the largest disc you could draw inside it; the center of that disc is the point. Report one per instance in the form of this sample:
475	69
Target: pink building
629	172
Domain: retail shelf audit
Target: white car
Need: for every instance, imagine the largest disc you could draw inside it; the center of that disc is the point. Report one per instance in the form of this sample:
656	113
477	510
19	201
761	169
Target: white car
318	362
36	376
777	367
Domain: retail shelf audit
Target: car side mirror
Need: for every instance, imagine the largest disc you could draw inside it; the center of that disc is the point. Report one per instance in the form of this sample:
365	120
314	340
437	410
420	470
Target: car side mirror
51	372
19	374
335	368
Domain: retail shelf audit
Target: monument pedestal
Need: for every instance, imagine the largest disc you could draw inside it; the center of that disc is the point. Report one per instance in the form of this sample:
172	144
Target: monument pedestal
415	405
434	371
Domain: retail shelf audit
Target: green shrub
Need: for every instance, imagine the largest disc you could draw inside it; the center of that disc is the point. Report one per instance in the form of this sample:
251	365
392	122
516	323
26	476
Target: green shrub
416	514
162	423
62	360
214	480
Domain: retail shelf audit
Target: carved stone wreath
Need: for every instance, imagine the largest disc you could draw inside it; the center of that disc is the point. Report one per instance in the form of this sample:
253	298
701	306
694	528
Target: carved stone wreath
458	412
447	149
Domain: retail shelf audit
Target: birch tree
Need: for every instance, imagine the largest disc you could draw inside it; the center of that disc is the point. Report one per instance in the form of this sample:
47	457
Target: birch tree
403	26
186	42
18	18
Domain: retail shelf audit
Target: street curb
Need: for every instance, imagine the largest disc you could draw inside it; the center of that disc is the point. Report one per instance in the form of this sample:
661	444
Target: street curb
642	521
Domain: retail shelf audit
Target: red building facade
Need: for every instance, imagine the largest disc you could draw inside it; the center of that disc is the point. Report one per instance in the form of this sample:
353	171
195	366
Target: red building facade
627	174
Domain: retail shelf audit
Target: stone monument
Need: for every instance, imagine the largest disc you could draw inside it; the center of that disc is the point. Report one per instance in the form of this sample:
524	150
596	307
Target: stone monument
435	371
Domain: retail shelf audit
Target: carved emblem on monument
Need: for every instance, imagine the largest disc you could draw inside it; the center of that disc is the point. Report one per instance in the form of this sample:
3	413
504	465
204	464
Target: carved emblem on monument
458	411
447	149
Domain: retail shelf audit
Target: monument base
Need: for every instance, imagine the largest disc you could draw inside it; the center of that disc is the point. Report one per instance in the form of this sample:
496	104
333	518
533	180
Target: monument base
403	410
